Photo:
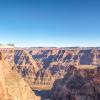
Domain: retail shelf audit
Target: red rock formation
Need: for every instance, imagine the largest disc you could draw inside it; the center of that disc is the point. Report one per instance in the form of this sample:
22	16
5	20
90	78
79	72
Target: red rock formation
76	87
31	63
12	86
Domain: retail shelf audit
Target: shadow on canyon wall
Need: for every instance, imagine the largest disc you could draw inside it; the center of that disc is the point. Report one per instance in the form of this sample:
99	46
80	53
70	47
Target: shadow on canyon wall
44	94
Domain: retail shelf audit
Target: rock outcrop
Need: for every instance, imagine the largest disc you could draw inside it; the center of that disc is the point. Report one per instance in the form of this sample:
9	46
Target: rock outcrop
12	86
77	86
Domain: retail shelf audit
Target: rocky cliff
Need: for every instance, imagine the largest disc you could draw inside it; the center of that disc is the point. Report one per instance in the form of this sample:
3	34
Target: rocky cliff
12	85
44	68
35	64
78	84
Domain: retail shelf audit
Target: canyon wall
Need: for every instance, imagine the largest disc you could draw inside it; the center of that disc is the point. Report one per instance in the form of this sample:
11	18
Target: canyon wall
45	65
78	84
70	74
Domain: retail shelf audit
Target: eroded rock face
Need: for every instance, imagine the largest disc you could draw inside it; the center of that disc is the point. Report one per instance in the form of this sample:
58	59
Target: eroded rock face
76	87
12	86
45	65
54	62
41	65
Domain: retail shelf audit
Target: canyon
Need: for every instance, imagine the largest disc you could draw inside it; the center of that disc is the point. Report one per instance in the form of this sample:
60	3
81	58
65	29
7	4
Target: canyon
43	66
67	73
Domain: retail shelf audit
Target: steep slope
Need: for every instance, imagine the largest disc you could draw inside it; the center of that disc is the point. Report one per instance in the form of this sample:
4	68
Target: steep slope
77	85
12	86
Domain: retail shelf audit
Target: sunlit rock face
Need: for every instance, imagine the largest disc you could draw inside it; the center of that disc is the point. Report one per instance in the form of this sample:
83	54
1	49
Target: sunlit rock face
12	85
76	86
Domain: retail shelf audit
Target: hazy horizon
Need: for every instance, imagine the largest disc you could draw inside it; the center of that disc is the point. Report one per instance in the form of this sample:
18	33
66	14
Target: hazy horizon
50	23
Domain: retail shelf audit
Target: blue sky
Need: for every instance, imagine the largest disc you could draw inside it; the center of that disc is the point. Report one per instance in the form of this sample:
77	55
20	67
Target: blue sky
50	22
